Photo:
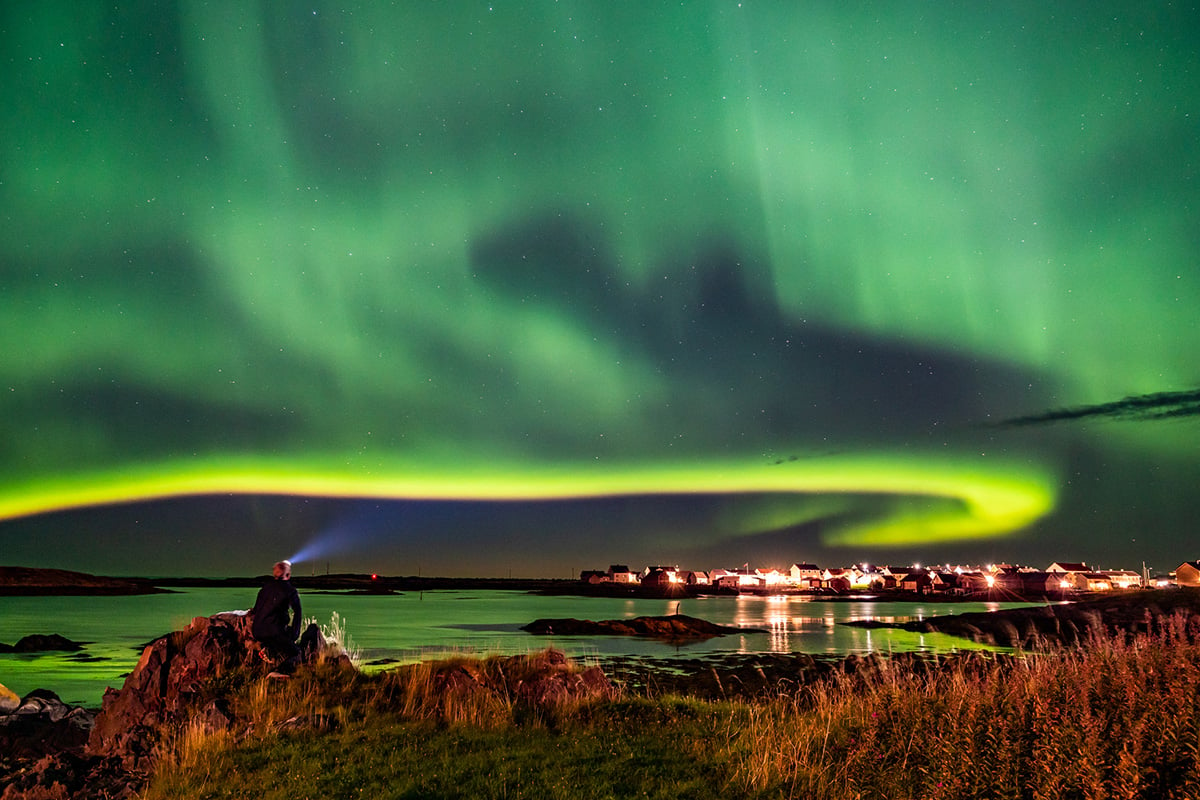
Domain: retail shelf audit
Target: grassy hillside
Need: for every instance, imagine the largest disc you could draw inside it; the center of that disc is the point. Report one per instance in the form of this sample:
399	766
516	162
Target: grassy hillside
1114	718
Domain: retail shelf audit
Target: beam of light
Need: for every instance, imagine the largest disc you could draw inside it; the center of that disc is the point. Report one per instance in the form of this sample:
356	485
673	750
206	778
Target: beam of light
363	526
945	500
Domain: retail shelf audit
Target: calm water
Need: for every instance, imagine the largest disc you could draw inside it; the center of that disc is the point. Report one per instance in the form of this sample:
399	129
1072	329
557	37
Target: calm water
410	627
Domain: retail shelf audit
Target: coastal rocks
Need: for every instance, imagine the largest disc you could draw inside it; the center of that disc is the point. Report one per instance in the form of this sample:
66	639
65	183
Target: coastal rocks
1175	611
41	723
41	742
168	686
111	754
69	775
674	627
41	643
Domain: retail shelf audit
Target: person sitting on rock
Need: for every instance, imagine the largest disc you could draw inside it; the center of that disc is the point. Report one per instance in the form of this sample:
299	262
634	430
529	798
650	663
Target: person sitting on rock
273	629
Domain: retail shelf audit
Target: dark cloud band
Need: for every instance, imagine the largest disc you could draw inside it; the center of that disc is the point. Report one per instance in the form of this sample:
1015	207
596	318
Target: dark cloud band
1140	408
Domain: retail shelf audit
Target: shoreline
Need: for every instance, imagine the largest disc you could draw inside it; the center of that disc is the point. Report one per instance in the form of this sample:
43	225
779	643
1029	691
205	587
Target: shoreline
19	581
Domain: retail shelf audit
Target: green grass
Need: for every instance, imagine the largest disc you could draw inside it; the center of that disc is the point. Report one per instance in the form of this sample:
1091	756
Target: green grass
1113	719
624	749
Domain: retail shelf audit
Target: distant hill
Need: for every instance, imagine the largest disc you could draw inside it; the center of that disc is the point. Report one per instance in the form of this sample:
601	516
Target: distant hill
29	580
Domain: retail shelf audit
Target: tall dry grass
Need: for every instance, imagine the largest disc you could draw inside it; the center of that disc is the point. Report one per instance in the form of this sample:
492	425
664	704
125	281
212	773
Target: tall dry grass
1113	718
483	693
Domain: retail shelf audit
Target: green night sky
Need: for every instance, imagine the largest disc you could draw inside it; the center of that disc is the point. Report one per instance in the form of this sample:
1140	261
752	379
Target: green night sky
531	287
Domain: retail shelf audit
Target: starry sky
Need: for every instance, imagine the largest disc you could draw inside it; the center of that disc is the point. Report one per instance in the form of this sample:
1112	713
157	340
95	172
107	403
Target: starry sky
524	288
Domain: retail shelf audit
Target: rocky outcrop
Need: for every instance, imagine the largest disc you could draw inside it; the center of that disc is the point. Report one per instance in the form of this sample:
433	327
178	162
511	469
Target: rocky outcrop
675	627
40	723
41	643
1125	613
168	685
112	754
41	740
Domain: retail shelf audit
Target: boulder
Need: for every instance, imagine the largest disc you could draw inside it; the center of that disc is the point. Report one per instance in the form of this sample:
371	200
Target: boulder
9	699
41	723
167	685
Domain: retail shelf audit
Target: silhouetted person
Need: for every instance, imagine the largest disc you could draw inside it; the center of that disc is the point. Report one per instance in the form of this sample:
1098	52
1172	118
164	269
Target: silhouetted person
272	627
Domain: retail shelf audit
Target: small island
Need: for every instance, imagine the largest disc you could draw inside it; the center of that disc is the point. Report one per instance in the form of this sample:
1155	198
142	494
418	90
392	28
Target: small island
674	627
23	581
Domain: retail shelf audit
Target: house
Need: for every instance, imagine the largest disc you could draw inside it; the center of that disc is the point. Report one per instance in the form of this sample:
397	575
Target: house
1029	583
659	577
948	582
594	576
1070	576
876	578
619	573
771	578
693	577
1087	582
1123	578
736	579
921	581
805	576
892	576
972	581
838	579
1068	566
1188	574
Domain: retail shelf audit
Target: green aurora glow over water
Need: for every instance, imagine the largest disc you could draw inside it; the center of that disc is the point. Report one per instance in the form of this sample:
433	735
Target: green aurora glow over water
548	285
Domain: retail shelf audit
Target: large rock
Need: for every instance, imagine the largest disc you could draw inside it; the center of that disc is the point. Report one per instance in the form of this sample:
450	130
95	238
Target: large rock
167	685
674	627
41	643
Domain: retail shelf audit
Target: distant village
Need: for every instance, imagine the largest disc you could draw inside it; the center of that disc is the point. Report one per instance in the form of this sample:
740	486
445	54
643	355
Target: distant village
1061	578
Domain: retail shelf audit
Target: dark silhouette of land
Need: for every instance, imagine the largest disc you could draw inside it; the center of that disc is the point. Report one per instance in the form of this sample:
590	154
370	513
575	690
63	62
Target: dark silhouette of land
30	581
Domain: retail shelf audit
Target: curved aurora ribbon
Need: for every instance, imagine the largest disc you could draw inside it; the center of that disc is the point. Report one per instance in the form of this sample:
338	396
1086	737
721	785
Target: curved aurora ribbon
948	500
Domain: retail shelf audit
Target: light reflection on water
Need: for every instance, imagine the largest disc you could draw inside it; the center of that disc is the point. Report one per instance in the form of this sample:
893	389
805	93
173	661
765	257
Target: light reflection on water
413	626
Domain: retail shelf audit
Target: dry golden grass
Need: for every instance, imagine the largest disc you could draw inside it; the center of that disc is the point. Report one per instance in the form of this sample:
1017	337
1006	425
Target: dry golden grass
1114	718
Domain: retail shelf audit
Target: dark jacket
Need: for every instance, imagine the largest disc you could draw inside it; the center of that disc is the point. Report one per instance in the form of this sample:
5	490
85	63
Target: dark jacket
271	609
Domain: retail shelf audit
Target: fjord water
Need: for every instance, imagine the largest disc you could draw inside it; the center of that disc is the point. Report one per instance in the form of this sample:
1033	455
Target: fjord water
387	629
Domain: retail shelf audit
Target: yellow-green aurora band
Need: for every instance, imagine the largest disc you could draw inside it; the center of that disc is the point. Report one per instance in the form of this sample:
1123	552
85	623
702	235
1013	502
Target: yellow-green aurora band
985	500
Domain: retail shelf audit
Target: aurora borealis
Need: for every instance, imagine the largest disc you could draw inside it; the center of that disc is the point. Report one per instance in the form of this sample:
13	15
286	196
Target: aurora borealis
535	287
